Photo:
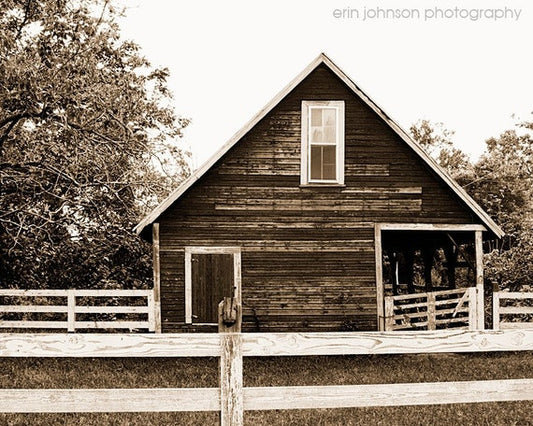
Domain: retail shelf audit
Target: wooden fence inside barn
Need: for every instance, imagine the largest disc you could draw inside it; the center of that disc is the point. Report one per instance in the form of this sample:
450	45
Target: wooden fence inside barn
432	310
231	399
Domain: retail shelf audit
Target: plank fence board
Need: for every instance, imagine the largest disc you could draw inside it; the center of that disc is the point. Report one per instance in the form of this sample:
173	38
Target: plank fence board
396	394
263	398
109	345
108	400
34	308
396	342
262	344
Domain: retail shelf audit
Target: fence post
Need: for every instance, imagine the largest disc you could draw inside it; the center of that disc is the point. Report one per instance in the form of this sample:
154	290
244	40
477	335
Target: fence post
432	315
389	313
496	310
151	310
229	327
472	308
71	308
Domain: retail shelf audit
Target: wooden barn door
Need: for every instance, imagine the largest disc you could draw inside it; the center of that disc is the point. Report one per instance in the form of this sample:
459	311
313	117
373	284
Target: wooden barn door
212	279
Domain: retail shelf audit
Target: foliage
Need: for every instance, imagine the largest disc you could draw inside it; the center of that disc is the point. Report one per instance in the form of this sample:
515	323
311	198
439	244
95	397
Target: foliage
88	142
501	181
437	142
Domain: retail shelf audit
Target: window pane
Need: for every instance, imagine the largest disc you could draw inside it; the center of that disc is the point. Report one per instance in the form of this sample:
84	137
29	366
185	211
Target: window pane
323	162
317	134
329	164
328	116
316	116
316	162
329	134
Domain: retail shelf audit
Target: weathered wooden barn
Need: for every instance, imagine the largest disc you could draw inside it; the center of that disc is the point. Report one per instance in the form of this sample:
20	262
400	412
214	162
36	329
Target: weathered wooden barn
313	211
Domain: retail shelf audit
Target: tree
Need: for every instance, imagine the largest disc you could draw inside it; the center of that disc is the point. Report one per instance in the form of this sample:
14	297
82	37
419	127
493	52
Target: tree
88	141
501	181
437	142
503	185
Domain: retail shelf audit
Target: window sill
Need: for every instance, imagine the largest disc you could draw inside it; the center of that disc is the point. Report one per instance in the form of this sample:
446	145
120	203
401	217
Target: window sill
322	185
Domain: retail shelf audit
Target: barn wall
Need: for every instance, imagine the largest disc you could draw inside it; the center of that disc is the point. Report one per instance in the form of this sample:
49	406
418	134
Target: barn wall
307	252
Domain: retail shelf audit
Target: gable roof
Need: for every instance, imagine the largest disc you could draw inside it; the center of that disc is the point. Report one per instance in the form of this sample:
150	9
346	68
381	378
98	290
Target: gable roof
320	59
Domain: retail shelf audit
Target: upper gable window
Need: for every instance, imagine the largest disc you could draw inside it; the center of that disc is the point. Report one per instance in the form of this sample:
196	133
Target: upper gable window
322	142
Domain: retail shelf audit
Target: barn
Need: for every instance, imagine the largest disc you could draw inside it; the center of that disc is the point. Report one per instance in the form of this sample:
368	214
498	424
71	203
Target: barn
310	215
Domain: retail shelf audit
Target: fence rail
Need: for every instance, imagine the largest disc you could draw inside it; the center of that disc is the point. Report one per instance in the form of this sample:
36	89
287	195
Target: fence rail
432	310
262	398
260	344
70	309
231	399
96	345
512	312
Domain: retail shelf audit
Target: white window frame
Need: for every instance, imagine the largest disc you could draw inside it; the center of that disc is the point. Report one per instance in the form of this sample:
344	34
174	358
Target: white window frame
305	176
189	251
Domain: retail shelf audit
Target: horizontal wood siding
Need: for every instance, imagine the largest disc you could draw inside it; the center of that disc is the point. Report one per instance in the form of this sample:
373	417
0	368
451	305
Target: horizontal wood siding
307	252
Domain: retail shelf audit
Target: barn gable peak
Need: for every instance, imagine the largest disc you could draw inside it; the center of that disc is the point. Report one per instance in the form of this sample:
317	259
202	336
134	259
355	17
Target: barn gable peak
321	60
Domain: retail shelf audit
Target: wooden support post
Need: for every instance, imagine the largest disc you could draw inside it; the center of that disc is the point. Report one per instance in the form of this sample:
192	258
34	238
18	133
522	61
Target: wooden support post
432	313
157	278
389	314
229	327
479	281
71	307
472	308
379	277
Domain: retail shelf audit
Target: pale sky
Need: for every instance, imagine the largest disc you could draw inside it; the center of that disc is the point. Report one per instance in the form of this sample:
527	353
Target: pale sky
446	61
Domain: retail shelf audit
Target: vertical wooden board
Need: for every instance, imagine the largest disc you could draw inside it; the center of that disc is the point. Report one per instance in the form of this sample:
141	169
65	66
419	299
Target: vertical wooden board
432	314
156	265
472	308
231	366
151	313
237	270
389	314
496	310
71	316
188	286
479	281
379	277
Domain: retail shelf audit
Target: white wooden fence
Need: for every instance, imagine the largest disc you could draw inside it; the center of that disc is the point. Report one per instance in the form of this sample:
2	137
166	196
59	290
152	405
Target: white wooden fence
432	310
64	303
232	398
518	315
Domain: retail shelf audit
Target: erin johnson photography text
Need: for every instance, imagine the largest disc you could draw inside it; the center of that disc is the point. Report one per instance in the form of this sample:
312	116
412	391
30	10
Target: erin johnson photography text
428	14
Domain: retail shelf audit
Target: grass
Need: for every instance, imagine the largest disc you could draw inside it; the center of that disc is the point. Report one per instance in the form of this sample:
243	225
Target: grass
279	371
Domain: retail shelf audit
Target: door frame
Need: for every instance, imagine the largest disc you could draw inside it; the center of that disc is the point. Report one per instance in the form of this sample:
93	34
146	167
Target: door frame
189	251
